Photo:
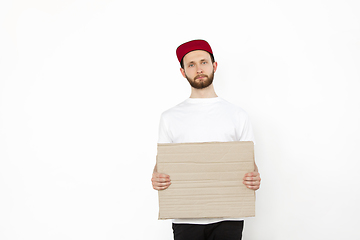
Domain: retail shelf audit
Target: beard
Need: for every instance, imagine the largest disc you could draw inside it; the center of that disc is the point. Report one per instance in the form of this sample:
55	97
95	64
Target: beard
201	84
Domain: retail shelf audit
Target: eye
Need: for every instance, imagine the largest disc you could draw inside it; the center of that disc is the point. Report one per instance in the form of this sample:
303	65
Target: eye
204	63
191	65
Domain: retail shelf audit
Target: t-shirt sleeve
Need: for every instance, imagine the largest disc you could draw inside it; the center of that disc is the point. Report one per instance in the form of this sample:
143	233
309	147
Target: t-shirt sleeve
247	133
164	136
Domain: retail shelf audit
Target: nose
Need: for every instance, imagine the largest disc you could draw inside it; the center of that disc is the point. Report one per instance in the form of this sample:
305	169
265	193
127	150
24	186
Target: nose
199	69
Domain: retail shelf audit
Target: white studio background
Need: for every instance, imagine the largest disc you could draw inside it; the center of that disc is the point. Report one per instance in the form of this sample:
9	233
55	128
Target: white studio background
83	84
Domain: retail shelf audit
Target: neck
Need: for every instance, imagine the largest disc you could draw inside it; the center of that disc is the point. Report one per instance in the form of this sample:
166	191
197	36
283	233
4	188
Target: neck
208	92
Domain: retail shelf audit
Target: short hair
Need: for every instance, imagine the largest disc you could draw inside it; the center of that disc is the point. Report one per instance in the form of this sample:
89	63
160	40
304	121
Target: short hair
211	55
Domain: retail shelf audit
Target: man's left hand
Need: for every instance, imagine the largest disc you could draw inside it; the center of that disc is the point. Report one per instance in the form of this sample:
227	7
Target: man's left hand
252	180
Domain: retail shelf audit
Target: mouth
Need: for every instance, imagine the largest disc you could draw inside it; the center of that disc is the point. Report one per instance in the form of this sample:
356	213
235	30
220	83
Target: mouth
200	77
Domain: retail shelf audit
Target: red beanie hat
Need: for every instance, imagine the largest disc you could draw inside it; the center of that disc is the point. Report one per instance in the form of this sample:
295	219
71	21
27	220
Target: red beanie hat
193	45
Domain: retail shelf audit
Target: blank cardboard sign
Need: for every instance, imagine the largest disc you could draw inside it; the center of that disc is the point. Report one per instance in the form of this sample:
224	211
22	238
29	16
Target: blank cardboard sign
206	180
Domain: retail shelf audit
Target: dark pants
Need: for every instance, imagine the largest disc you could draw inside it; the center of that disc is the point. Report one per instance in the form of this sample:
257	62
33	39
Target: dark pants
225	230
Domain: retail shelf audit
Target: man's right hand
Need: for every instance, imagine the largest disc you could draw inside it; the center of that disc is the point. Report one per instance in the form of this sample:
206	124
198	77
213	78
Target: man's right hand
160	181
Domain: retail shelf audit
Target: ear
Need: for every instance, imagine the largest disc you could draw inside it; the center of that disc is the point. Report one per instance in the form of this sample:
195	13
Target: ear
215	64
183	72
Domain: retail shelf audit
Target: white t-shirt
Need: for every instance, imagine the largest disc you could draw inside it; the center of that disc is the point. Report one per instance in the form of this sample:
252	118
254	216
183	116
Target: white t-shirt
204	120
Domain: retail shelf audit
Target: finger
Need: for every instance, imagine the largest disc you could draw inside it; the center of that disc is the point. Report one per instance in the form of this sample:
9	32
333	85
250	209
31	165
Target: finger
253	187
249	174
252	174
248	178
160	175
247	184
157	184
161	187
161	180
251	183
163	175
251	178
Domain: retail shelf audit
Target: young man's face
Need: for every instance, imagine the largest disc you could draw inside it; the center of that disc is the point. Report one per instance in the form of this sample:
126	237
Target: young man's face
198	69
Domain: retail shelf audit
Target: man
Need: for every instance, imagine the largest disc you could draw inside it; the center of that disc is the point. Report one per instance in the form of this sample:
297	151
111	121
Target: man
204	117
